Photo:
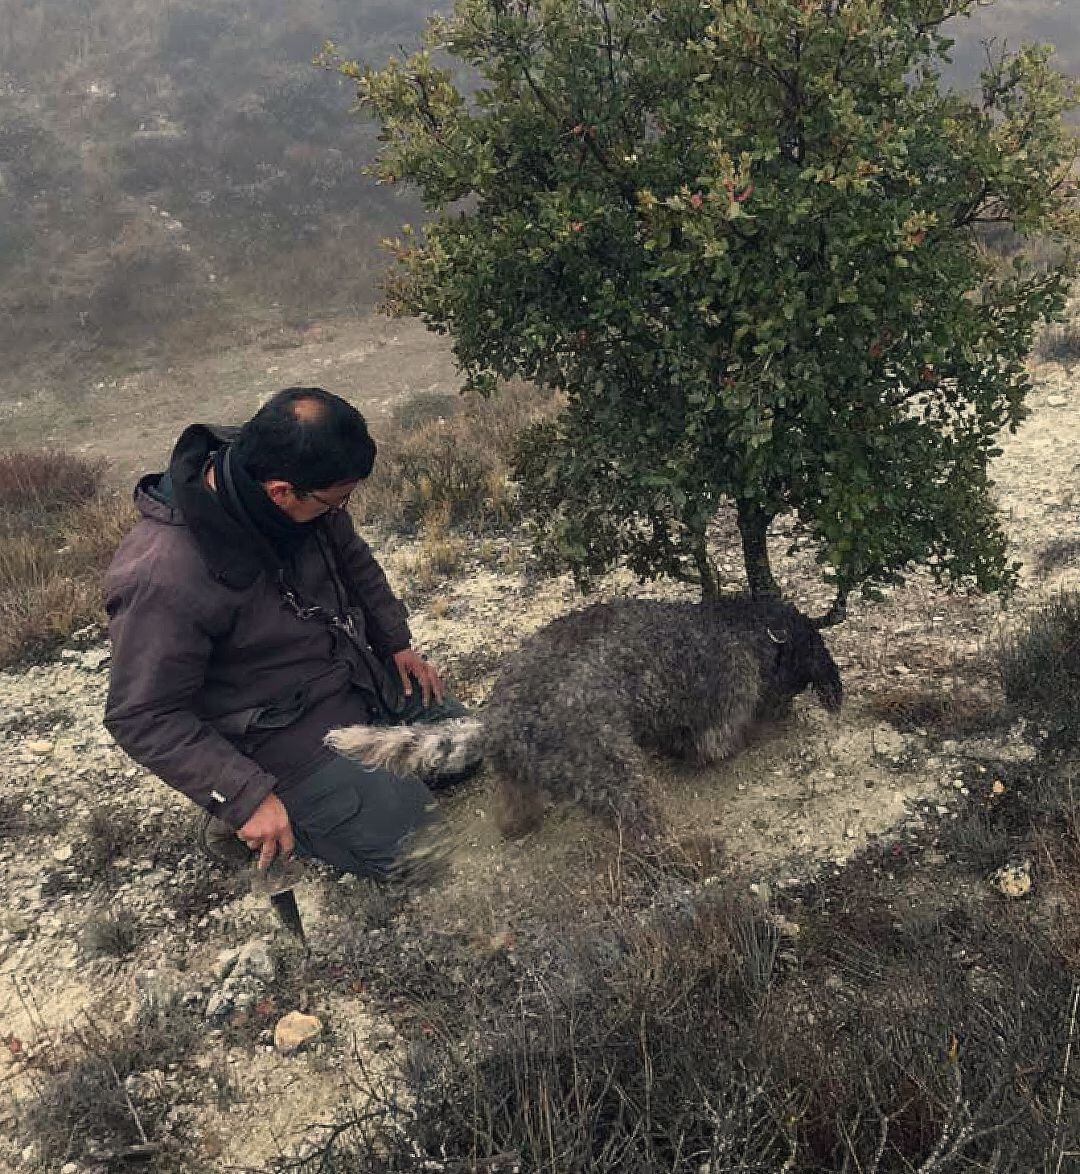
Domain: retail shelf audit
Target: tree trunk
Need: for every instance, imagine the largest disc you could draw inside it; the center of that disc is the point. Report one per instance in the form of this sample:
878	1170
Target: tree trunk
753	525
710	584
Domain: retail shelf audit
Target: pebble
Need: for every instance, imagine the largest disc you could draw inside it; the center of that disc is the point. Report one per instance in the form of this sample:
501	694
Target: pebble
1014	880
38	746
1057	401
293	1031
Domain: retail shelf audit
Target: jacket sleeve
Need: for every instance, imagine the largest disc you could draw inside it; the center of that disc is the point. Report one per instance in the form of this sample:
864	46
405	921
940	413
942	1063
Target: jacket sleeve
366	582
160	649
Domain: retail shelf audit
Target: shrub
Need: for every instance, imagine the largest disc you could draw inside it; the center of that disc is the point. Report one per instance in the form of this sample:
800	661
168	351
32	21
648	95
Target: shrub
1058	552
87	1106
454	469
45	482
113	935
58	530
1040	668
1060	342
696	1038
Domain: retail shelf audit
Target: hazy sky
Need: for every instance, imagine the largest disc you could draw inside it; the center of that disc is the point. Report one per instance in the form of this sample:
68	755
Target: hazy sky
1015	22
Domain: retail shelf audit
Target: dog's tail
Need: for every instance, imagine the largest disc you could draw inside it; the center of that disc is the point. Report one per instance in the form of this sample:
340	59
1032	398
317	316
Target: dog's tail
429	750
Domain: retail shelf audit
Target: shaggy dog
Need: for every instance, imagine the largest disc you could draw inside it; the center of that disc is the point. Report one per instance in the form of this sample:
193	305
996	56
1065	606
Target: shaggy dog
576	708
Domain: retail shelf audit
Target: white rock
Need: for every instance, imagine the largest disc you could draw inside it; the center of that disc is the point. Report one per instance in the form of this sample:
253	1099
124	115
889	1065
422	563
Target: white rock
224	963
63	854
253	960
1014	880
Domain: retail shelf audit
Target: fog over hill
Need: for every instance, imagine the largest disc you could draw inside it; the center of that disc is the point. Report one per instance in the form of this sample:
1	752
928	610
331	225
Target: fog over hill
177	170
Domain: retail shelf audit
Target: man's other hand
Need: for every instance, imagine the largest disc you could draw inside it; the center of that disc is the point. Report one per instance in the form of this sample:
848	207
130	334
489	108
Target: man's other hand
268	831
412	664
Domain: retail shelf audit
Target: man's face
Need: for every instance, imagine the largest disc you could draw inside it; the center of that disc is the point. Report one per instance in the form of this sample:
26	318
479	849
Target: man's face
305	505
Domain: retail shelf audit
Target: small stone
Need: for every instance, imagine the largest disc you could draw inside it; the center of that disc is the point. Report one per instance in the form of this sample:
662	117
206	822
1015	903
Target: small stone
38	746
1057	401
997	787
69	1168
295	1030
254	961
225	962
219	1006
63	854
1014	880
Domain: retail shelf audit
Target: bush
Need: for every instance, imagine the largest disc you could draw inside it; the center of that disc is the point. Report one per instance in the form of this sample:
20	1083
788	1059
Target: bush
448	463
99	1101
1060	342
1040	668
697	1038
111	935
45	482
58	531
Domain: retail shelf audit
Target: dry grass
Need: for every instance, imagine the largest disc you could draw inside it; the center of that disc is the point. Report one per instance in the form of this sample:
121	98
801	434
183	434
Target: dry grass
447	463
1040	668
46	481
690	1033
1060	342
58	533
945	712
98	1099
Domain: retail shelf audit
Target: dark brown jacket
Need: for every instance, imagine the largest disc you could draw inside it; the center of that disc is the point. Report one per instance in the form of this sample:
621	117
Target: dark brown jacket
224	692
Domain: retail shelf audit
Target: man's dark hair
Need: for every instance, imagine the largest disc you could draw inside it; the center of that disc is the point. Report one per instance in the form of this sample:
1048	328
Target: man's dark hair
308	437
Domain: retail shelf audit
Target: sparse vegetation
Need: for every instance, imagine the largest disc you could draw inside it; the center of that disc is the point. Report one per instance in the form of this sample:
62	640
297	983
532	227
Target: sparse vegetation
103	1097
448	464
111	934
59	528
670	1032
942	710
1040	668
1060	341
1057	553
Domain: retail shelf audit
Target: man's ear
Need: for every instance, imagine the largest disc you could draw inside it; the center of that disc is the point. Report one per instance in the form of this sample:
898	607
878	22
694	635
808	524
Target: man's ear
279	492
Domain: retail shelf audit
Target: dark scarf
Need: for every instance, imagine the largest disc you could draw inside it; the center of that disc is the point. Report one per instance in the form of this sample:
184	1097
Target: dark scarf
248	503
238	529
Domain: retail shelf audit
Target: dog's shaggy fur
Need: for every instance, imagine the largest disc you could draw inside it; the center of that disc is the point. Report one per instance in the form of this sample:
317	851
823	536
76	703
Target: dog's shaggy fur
576	708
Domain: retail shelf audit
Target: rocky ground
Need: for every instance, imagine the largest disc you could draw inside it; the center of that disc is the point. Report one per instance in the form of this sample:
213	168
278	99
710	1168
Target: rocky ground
113	917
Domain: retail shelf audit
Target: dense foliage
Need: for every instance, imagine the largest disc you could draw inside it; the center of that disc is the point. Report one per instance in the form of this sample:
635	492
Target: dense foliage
747	240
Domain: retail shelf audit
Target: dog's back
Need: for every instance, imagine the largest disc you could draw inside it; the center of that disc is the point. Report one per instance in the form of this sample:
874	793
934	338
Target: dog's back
578	705
575	709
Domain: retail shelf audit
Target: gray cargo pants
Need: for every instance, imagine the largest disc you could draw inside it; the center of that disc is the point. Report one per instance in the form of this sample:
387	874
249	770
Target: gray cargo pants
364	820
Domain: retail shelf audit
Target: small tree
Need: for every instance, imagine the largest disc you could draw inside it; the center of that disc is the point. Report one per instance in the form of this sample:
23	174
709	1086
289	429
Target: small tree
745	238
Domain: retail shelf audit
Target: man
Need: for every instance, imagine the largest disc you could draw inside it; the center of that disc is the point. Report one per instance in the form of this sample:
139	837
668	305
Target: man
248	618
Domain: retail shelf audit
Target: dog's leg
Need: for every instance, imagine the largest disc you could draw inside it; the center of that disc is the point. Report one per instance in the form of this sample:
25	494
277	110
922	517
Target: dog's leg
519	807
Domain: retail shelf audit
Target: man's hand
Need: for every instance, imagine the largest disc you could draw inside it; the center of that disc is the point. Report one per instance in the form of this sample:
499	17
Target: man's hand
268	831
412	664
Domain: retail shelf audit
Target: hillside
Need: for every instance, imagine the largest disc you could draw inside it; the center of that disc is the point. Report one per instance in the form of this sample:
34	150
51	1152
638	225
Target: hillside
171	171
115	922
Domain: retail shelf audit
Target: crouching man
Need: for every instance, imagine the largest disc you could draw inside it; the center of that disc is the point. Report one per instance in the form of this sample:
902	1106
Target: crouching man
248	618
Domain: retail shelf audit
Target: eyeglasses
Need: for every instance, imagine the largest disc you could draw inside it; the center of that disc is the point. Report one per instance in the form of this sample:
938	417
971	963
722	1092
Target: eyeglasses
331	505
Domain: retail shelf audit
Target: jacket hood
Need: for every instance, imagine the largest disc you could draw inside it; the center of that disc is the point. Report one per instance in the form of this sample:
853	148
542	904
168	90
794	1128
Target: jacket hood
180	497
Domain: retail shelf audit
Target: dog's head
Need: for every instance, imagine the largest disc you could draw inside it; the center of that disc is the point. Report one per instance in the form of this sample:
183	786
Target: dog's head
802	660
